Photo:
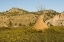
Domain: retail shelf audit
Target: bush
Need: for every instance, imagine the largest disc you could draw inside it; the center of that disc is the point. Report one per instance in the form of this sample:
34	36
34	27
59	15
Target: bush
31	24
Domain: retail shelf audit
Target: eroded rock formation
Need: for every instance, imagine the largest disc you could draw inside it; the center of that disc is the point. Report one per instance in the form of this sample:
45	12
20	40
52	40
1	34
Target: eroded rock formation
57	20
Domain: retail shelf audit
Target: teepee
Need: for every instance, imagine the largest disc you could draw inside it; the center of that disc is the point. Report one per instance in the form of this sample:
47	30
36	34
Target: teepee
40	24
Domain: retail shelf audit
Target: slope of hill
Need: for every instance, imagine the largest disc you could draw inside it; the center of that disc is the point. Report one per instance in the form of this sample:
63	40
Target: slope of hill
16	17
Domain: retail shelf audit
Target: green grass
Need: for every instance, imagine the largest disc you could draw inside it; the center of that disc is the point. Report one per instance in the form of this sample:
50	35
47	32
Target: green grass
27	34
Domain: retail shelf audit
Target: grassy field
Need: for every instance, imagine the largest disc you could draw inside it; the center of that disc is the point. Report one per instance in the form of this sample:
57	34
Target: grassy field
27	34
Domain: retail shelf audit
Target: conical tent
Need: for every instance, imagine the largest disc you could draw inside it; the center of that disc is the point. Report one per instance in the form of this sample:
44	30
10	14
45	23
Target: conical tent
40	24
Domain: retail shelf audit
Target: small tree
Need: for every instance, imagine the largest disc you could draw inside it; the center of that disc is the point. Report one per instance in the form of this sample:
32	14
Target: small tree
20	24
15	24
31	24
10	24
49	24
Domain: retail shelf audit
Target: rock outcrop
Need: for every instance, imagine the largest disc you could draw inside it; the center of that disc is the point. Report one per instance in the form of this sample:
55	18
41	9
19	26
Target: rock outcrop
57	20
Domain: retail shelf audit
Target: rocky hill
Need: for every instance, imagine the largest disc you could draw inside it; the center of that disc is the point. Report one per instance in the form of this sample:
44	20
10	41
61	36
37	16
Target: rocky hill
18	17
57	20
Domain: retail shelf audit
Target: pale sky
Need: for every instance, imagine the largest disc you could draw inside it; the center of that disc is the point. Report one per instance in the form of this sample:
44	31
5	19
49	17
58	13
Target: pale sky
30	5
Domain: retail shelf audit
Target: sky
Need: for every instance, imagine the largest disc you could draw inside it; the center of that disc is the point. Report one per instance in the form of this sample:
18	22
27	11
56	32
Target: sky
32	5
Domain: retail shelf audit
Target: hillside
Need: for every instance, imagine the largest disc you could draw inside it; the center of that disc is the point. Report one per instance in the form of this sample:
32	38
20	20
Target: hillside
57	20
18	17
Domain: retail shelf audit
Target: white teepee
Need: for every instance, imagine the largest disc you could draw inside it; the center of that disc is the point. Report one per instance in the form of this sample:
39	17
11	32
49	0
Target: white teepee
40	24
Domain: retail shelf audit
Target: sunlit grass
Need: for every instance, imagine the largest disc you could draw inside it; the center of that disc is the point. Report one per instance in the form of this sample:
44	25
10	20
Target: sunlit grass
27	34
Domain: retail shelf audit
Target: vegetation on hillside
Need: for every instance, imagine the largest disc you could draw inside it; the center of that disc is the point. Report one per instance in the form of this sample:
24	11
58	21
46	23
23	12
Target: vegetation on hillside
48	14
